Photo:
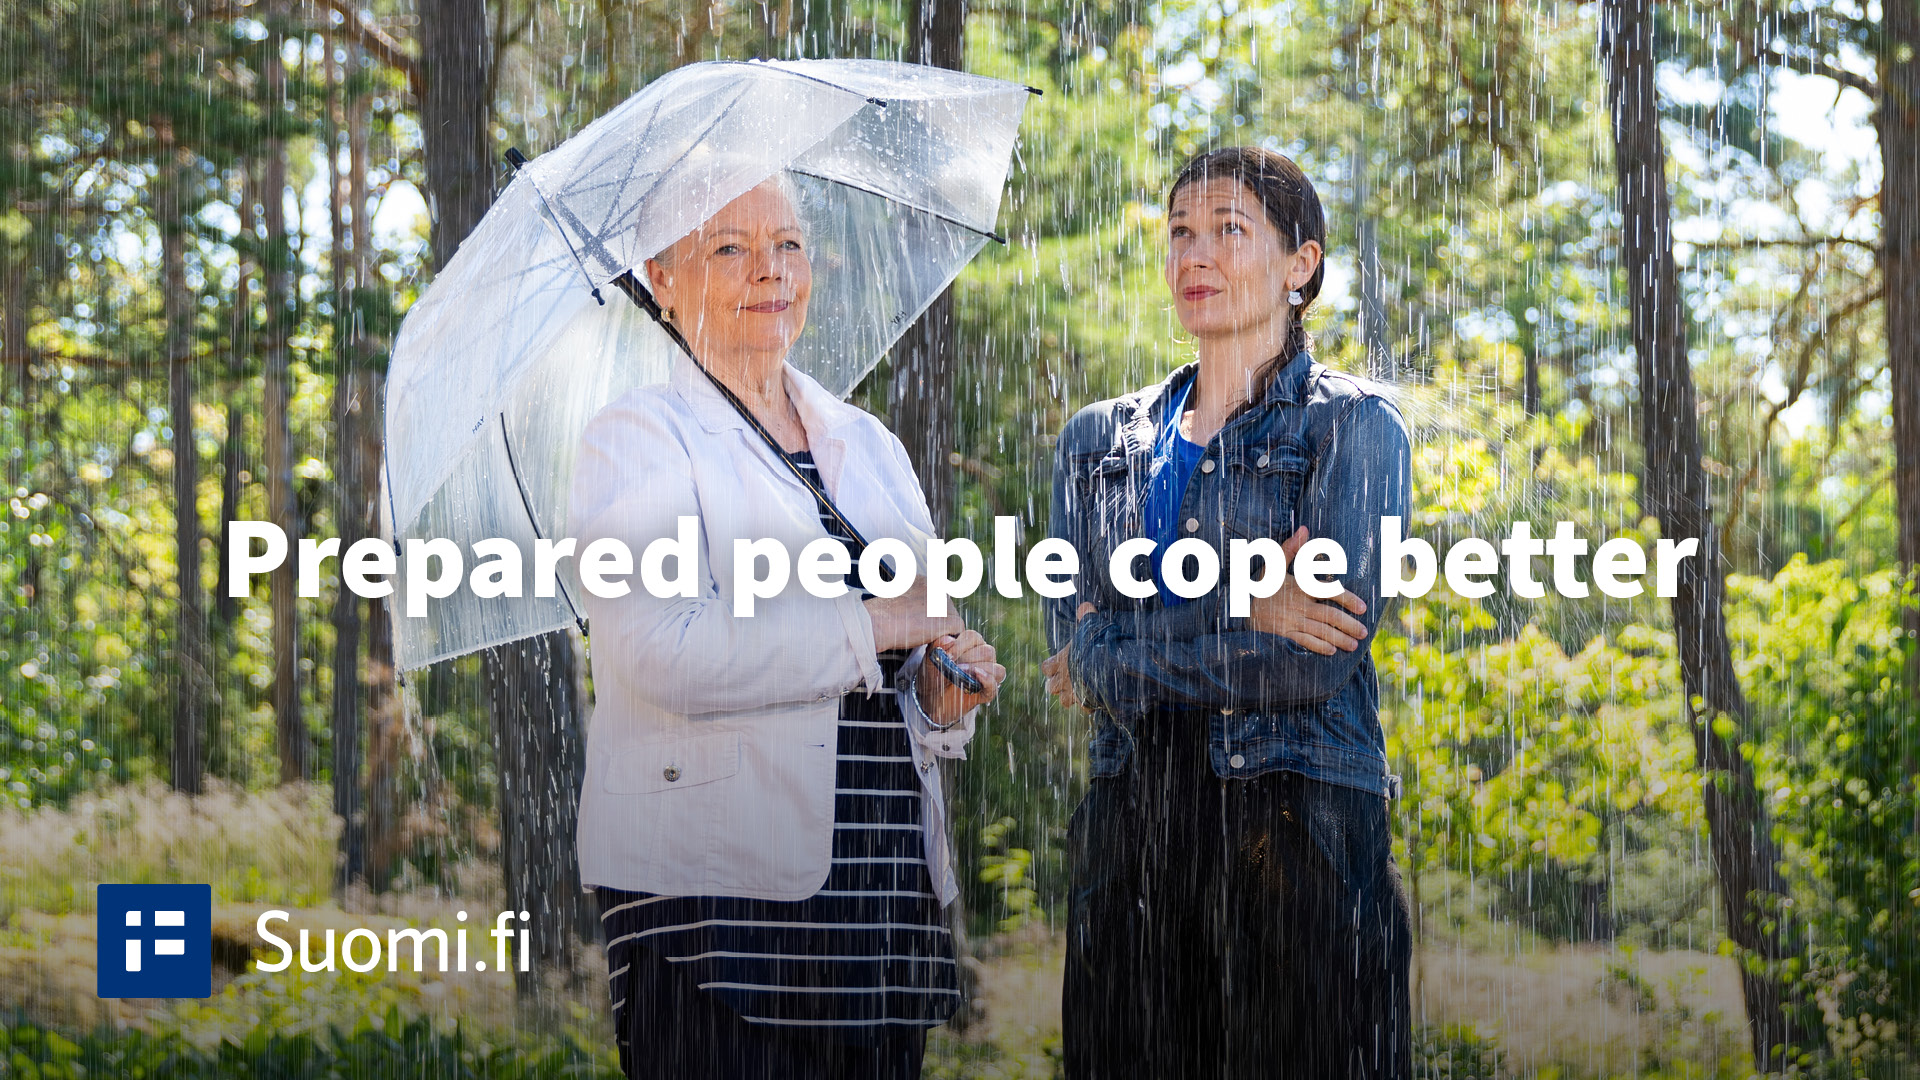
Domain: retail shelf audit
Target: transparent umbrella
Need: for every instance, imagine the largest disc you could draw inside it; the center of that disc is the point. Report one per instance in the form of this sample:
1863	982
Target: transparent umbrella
526	333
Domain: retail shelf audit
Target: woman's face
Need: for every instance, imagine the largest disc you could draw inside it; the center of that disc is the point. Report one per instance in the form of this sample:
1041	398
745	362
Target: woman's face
738	285
1228	268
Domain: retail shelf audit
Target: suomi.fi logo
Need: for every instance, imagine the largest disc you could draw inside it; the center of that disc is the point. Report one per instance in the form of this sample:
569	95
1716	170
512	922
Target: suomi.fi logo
156	941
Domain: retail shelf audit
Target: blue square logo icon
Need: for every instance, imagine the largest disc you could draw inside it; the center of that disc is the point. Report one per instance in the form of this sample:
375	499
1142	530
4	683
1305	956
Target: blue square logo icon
156	941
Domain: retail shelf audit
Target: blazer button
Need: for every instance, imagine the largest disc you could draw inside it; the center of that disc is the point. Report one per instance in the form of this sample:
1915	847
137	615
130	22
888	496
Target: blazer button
1207	465
1261	461
1193	524
671	773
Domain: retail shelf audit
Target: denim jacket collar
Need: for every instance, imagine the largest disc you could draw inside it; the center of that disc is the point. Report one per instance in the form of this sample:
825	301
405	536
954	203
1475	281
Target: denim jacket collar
1288	387
1143	412
1291	384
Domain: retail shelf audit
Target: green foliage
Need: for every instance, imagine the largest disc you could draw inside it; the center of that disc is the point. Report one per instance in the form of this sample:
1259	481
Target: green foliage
1454	1053
392	1047
272	846
1824	656
1009	870
949	1058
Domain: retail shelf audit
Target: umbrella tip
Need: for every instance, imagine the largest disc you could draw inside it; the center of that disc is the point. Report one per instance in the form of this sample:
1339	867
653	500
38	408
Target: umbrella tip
515	158
1035	91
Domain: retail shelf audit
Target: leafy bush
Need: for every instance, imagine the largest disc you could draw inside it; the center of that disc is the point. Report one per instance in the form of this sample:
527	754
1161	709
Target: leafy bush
1454	1052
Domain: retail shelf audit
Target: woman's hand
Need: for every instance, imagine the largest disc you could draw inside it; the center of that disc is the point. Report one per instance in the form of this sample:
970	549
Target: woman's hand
902	622
1315	625
944	702
1059	676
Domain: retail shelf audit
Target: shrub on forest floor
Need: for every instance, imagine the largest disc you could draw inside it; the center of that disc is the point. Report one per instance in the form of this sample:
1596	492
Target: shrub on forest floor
393	1047
276	845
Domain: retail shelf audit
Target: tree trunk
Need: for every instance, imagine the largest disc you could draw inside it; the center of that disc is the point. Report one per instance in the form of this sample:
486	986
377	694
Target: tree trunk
921	396
534	701
1530	381
386	838
1674	489
540	761
453	119
233	456
1366	236
277	434
1898	119
377	829
921	403
349	273
15	344
233	453
190	615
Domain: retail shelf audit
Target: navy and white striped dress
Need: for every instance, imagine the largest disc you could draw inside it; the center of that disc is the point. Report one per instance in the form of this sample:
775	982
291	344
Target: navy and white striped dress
866	958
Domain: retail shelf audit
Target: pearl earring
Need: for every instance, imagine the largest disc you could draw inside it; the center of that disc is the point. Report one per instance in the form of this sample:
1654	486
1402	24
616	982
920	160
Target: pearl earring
1295	298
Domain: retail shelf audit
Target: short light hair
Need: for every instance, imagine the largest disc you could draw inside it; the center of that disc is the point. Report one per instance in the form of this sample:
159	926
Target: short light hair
782	182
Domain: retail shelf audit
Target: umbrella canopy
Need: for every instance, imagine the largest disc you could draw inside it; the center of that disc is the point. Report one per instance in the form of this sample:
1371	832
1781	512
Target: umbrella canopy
498	367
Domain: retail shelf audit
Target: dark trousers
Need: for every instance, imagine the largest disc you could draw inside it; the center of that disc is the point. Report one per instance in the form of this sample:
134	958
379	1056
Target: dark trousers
670	1029
1244	928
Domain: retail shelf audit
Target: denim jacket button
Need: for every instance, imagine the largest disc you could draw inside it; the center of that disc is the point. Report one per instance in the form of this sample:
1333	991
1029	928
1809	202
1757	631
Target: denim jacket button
1193	524
1261	461
1207	465
1237	761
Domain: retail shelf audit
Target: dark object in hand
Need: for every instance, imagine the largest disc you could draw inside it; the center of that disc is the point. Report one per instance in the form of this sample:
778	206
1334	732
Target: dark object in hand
955	674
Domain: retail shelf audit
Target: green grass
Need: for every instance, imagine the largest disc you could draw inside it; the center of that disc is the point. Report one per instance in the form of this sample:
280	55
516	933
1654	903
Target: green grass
394	1047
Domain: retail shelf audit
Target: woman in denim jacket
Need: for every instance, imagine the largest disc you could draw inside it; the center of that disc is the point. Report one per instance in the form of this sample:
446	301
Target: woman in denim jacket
1235	910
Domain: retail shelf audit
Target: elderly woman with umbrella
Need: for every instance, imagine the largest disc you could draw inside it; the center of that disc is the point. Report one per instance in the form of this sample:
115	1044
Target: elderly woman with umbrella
760	808
758	812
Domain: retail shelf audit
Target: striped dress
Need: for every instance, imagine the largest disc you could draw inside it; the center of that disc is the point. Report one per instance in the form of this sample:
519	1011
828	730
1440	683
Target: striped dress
866	958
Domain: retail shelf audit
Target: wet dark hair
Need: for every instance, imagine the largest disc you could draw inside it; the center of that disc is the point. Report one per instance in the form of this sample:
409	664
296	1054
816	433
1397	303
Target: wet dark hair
1292	205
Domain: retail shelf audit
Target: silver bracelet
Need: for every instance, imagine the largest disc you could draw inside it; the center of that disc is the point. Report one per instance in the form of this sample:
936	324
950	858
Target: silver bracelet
913	687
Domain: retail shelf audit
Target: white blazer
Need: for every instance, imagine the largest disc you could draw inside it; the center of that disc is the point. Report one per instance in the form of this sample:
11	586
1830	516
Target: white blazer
711	749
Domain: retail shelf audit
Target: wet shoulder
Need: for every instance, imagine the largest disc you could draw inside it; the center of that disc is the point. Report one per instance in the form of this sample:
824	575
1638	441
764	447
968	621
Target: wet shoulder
1092	429
1355	396
647	414
1356	404
656	400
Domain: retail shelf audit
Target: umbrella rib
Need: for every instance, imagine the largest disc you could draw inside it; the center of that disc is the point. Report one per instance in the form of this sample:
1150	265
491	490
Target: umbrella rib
948	218
588	239
790	73
627	176
526	503
668	169
519	160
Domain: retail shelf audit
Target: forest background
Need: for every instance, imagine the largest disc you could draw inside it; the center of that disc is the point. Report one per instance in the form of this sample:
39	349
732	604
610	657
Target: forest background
1651	269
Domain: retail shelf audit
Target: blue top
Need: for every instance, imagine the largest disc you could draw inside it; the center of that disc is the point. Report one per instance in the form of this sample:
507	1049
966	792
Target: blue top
1174	459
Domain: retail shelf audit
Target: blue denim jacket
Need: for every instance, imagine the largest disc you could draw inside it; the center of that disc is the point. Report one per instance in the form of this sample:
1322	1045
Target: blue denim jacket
1321	449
